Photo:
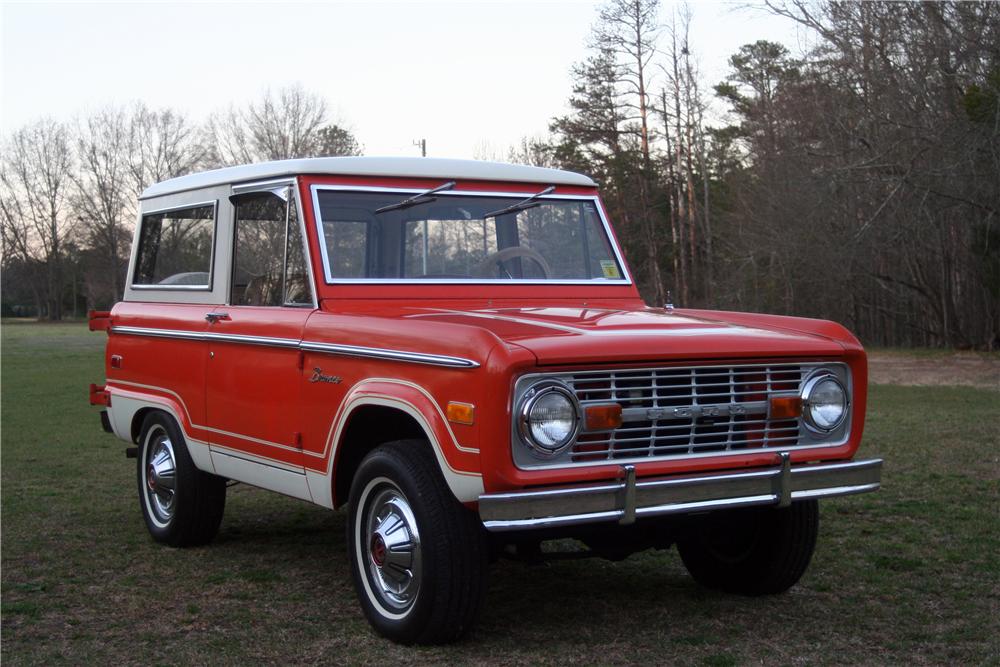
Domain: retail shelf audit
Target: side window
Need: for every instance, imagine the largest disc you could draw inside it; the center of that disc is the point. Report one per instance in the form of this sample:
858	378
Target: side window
175	248
269	264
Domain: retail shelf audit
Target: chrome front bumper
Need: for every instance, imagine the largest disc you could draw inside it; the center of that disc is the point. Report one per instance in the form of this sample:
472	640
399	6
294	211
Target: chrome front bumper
626	500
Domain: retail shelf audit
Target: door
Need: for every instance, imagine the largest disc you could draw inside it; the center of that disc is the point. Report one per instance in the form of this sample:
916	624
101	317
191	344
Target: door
170	288
254	361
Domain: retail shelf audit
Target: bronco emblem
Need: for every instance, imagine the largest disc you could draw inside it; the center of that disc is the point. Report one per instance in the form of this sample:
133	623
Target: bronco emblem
318	376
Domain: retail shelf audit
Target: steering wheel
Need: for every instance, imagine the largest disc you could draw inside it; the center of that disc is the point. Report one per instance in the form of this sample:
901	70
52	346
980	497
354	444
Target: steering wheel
500	256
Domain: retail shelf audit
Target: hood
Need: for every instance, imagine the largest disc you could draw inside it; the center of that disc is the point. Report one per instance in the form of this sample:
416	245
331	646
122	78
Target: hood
562	334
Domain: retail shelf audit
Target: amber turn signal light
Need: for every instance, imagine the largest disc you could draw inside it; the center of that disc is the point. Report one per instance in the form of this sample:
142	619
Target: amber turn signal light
461	413
602	417
786	407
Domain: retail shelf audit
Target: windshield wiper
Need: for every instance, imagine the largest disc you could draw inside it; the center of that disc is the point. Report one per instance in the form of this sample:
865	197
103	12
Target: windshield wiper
417	198
521	205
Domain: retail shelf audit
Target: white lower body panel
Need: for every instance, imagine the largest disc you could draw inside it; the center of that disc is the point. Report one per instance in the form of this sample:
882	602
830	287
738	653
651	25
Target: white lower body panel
267	477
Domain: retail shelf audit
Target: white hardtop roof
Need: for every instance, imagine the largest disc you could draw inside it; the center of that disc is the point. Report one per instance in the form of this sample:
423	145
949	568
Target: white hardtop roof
403	167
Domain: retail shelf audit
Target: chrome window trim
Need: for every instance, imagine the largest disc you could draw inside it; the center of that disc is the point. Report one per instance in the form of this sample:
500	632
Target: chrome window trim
172	288
527	380
262	186
306	346
330	280
214	203
304	234
269	186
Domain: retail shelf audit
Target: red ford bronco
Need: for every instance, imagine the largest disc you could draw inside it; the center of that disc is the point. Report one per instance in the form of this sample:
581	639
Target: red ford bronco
455	351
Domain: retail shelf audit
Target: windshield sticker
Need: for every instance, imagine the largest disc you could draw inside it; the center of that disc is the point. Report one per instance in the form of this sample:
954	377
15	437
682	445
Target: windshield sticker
610	268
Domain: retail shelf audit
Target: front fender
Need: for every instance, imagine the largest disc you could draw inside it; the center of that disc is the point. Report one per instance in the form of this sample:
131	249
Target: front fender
459	464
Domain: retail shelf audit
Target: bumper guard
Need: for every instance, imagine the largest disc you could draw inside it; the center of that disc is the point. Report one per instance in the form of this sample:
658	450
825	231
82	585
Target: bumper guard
627	500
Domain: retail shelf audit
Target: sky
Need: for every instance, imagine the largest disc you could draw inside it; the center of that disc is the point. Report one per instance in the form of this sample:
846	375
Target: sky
471	78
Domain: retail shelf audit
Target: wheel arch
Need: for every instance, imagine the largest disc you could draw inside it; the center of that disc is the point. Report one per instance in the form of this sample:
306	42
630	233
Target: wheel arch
367	427
129	409
384	410
135	429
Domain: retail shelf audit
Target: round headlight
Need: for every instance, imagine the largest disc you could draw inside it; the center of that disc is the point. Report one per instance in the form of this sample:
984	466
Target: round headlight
549	418
824	403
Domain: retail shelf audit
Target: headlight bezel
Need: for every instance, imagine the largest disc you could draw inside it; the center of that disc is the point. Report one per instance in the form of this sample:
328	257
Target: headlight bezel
529	400
807	392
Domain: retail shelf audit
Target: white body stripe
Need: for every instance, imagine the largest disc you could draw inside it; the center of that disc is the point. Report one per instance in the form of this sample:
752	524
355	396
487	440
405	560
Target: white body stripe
465	486
273	474
122	411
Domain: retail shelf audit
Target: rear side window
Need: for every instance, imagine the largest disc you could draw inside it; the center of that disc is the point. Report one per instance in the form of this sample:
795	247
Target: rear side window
175	249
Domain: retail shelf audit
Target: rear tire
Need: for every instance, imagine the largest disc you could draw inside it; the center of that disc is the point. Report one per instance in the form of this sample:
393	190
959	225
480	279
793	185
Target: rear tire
182	505
418	556
754	551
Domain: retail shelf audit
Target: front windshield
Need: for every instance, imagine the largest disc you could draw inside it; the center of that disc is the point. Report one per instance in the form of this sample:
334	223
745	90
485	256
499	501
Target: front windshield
447	238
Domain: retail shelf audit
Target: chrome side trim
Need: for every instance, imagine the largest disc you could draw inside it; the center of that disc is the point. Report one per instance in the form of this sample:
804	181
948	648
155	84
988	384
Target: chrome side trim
159	333
395	355
308	346
628	499
291	343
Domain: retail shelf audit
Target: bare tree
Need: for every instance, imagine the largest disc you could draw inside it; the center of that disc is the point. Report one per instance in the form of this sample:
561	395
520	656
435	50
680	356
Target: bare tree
532	151
162	144
288	123
104	197
34	185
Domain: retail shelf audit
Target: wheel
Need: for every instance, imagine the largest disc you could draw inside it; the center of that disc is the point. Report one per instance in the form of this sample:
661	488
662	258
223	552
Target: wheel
418	557
754	551
182	505
489	266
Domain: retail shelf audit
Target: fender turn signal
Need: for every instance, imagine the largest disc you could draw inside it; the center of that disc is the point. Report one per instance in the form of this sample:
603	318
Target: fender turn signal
461	413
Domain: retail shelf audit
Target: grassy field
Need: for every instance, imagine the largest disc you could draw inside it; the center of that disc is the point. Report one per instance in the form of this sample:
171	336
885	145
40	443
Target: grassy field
908	575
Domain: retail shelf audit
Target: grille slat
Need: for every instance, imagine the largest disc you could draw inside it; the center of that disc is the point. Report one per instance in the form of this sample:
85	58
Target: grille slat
653	398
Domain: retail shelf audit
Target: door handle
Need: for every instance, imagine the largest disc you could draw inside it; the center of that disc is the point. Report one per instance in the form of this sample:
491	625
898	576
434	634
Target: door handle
215	317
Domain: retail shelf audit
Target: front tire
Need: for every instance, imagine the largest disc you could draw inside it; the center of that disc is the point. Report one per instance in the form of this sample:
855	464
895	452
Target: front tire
418	557
182	505
754	551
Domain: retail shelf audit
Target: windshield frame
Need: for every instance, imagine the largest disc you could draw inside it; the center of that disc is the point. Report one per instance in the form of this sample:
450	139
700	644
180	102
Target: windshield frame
316	188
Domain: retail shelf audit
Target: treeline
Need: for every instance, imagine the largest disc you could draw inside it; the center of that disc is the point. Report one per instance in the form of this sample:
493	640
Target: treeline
68	190
858	182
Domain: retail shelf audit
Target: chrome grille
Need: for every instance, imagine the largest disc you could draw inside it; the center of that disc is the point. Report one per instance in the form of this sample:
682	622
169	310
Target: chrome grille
681	411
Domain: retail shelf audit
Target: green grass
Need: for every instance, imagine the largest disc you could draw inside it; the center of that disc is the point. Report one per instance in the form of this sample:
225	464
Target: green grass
907	575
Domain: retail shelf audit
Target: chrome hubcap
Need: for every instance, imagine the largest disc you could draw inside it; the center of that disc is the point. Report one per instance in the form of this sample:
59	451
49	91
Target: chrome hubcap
161	475
393	546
